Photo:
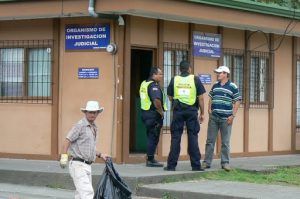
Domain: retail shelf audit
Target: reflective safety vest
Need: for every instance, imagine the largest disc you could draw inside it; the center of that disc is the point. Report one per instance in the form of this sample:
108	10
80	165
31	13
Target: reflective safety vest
145	99
185	89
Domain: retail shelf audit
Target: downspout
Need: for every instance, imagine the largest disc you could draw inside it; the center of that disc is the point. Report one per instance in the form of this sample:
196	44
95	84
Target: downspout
92	12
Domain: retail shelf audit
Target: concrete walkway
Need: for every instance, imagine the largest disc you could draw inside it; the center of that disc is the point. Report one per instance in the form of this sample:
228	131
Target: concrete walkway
147	181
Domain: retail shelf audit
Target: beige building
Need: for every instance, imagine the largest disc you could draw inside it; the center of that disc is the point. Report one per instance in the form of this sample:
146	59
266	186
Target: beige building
53	59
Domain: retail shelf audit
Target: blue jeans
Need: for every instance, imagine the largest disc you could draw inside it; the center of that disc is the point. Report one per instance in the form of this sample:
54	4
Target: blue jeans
214	125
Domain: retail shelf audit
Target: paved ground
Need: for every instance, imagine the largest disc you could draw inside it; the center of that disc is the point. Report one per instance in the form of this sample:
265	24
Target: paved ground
13	191
40	175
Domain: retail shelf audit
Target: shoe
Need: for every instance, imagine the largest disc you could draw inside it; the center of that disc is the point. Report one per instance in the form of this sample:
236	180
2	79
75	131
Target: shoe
169	169
226	167
198	169
205	165
153	163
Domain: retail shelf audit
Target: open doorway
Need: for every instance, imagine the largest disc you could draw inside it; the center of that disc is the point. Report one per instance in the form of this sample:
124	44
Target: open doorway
141	62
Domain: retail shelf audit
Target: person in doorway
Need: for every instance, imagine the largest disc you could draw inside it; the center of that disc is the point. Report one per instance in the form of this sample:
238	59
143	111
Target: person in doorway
186	93
153	105
222	108
80	145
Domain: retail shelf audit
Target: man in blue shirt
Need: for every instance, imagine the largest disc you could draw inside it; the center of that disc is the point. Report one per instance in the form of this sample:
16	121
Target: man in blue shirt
222	107
186	94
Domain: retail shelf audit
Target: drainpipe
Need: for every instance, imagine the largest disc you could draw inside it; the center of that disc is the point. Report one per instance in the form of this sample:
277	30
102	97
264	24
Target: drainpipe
92	13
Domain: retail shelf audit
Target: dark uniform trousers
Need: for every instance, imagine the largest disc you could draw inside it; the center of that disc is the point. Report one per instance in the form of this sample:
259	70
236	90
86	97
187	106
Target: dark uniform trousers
188	116
153	122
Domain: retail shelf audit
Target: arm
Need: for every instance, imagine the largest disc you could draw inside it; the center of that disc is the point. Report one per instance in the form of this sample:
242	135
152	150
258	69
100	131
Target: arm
236	106
66	146
201	105
200	91
64	156
209	106
158	106
102	155
170	90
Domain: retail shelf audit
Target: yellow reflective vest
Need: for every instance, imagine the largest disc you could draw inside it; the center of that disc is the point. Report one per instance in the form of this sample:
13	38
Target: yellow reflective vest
145	99
185	89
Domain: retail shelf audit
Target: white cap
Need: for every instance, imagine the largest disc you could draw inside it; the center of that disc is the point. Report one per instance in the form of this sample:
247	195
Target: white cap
92	106
222	69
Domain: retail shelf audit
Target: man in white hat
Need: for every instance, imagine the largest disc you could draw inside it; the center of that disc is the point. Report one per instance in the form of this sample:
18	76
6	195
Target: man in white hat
224	101
80	145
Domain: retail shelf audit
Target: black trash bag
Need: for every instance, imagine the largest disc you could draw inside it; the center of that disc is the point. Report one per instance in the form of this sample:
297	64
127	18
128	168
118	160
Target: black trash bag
110	185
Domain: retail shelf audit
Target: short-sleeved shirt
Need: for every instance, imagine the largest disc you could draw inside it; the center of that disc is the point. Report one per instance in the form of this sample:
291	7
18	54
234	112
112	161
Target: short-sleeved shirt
83	138
154	92
222	98
200	90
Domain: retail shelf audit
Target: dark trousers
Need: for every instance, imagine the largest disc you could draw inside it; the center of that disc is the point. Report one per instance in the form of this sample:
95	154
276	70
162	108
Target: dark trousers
153	123
189	117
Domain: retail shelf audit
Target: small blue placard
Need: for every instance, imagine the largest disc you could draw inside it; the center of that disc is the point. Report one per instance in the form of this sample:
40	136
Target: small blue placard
206	45
87	37
205	78
88	73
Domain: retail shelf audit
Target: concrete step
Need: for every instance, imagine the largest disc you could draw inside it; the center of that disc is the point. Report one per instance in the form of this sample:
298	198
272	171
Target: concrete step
139	178
13	191
49	174
210	189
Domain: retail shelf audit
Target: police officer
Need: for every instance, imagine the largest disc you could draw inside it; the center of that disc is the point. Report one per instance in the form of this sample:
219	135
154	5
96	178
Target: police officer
186	93
153	105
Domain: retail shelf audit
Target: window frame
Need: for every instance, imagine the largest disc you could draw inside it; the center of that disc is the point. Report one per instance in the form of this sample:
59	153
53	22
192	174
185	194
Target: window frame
233	53
257	103
297	93
27	46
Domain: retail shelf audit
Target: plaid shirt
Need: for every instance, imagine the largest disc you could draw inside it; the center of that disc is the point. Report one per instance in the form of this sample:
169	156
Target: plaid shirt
83	138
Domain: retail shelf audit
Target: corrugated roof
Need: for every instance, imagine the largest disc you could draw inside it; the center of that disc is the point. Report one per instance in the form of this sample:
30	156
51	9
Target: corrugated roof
253	6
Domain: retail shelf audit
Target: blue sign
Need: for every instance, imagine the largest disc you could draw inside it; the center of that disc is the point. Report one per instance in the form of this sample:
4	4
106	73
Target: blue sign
88	73
87	37
206	45
205	78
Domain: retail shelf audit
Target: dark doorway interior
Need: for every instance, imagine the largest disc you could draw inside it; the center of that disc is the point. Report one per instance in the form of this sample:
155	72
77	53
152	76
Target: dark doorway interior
141	62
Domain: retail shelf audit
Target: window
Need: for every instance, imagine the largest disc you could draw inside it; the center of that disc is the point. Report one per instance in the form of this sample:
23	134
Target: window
234	59
173	55
25	72
259	79
39	72
11	71
298	94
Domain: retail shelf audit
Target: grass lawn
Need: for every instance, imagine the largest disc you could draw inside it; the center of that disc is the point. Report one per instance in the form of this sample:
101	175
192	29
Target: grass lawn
282	176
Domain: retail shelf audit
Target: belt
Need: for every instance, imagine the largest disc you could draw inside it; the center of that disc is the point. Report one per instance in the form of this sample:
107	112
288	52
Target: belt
82	160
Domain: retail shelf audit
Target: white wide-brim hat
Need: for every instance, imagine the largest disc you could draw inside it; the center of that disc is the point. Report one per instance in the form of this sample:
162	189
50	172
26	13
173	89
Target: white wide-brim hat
221	69
92	106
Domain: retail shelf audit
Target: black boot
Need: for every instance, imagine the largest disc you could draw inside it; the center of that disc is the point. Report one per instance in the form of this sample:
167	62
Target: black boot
153	163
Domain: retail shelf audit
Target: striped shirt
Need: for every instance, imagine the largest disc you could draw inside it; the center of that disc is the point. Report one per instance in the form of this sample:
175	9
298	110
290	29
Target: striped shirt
83	138
222	99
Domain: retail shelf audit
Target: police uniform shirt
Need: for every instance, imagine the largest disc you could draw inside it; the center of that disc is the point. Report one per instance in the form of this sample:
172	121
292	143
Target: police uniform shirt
199	86
154	92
